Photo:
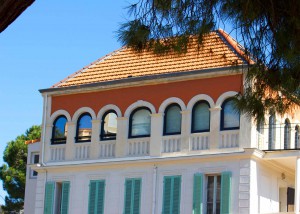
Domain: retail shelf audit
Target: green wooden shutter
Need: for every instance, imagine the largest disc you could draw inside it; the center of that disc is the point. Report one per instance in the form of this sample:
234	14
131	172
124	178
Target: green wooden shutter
137	196
96	197
65	194
49	197
171	195
225	192
197	195
132	196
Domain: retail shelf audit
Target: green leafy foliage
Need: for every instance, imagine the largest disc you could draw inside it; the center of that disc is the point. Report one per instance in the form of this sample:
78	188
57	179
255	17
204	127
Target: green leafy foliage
269	31
13	172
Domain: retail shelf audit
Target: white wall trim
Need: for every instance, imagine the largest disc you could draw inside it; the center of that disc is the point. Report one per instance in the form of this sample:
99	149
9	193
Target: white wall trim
59	113
169	101
83	110
107	108
139	103
224	96
200	97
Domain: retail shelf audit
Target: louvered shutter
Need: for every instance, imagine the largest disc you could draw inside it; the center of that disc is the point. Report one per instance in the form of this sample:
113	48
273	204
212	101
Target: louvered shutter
65	197
171	195
197	195
128	193
225	192
137	196
176	195
49	198
96	197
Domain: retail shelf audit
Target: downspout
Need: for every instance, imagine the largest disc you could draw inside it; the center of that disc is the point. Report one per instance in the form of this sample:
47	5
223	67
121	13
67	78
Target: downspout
154	189
44	128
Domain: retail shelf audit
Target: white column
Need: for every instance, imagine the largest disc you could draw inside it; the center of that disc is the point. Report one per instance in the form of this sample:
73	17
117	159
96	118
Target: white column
95	149
156	134
122	135
297	186
215	118
71	127
185	130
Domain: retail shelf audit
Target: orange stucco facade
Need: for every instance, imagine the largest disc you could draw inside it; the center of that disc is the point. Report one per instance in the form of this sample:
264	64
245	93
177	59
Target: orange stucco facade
154	94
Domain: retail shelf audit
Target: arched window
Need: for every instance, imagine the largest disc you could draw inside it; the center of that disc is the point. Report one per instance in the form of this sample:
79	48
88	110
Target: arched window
287	134
59	130
272	131
84	128
109	126
172	120
297	145
201	117
230	117
140	123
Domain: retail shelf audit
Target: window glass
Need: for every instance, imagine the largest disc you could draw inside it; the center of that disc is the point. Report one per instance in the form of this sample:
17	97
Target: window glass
297	137
172	119
59	131
109	126
213	194
230	116
140	123
287	134
34	160
272	131
200	117
84	128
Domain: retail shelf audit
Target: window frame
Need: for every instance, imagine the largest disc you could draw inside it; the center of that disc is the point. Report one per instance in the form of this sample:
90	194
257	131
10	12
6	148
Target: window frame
193	119
222	128
32	161
102	135
77	140
60	140
130	122
165	119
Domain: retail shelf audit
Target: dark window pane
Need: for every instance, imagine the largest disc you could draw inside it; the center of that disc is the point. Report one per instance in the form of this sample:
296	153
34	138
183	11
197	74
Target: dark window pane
173	120
59	130
231	118
141	123
200	117
84	128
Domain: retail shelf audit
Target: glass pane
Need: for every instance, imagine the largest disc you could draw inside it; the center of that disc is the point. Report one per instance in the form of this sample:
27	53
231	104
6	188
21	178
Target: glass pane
110	125
60	127
85	127
201	117
173	120
231	116
141	123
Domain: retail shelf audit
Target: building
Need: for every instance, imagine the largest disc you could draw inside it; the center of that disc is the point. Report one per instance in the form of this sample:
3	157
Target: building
139	133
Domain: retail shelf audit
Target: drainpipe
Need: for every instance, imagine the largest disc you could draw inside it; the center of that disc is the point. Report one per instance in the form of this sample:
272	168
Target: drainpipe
154	189
44	127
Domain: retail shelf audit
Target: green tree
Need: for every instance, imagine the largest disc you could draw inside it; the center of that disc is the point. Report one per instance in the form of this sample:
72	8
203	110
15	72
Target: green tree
13	172
269	31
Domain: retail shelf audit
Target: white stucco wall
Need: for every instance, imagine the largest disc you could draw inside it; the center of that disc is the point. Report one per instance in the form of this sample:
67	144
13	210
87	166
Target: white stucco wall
30	188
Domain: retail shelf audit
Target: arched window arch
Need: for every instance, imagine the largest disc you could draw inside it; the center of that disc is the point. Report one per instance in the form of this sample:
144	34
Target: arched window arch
287	134
272	131
84	128
297	140
109	125
59	130
230	117
140	122
172	119
201	117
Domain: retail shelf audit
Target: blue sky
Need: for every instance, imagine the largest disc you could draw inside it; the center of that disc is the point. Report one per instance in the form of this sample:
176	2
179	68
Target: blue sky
48	42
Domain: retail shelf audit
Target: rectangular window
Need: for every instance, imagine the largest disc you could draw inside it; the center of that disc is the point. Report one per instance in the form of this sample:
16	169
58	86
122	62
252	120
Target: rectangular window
34	160
132	197
96	197
57	197
171	195
213	194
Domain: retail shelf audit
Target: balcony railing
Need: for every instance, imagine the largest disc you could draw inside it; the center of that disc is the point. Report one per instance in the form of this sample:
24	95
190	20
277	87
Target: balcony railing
107	149
57	152
229	139
138	146
171	143
200	141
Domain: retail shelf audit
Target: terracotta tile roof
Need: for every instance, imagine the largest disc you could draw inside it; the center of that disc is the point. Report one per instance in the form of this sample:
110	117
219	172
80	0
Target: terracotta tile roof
218	50
32	141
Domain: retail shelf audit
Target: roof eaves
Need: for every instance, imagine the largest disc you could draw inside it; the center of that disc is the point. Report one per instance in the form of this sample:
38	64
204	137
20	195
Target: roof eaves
165	76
